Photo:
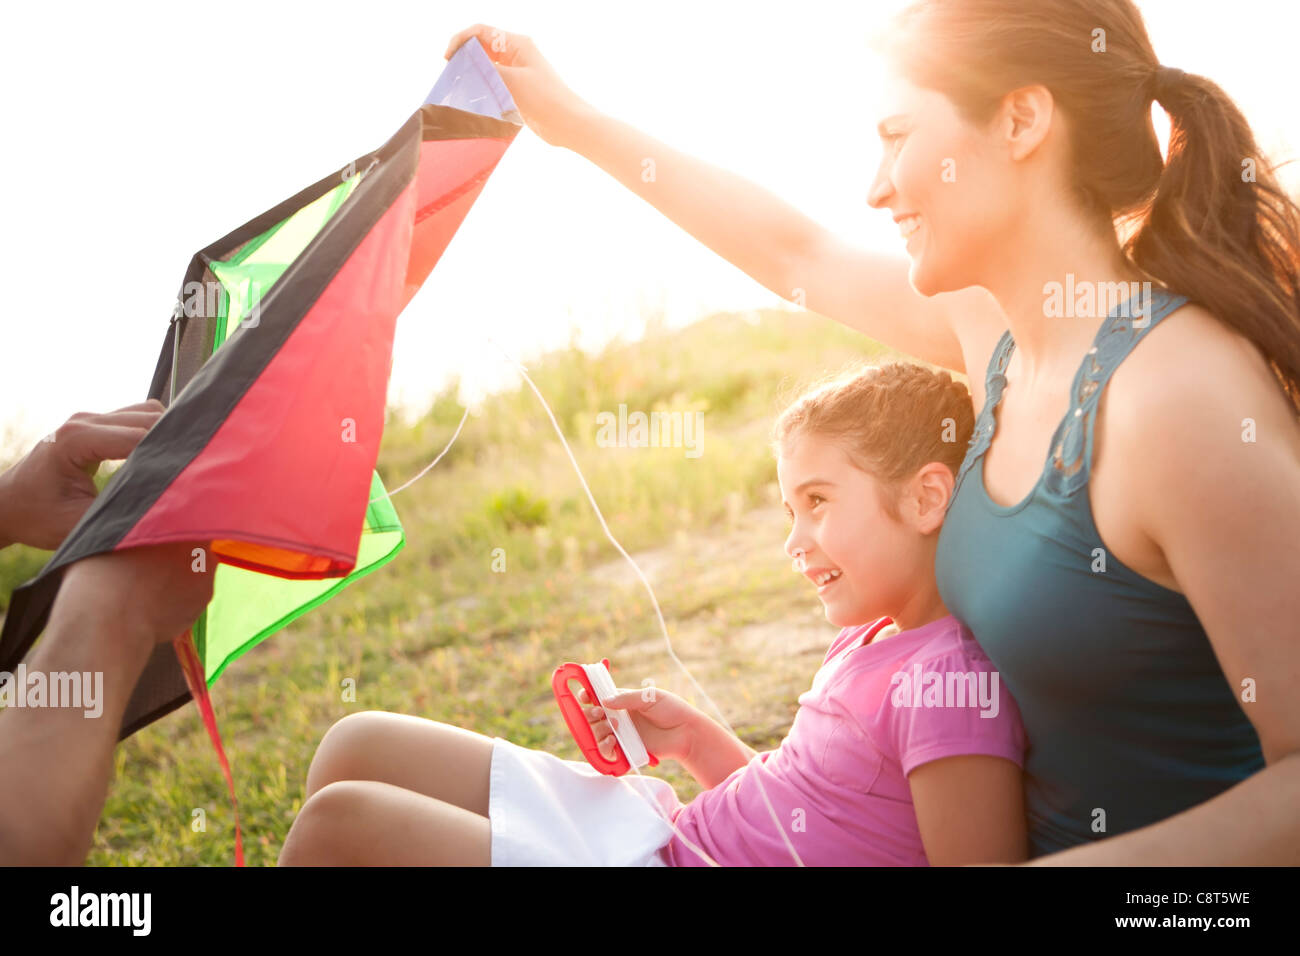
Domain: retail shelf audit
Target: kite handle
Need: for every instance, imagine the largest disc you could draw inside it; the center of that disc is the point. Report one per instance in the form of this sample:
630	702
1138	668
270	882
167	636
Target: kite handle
626	736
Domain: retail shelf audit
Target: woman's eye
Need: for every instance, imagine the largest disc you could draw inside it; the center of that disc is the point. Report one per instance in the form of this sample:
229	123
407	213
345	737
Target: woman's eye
816	499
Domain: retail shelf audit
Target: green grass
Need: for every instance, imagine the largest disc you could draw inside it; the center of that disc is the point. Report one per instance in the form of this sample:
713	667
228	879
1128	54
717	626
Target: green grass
439	634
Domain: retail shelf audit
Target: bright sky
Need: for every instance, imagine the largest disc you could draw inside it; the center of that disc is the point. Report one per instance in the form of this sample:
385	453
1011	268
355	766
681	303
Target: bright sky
137	134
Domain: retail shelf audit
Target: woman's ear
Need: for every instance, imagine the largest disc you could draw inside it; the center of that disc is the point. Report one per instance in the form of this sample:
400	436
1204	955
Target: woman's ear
1026	119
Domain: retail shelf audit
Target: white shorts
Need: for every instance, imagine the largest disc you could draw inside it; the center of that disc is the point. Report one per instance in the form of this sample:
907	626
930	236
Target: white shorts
546	811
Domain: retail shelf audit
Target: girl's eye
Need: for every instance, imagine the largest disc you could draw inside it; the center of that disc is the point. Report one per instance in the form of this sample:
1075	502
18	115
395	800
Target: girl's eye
814	501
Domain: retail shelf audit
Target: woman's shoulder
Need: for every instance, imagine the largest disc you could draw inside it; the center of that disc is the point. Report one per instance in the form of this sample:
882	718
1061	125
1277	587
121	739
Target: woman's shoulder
1178	412
1187	357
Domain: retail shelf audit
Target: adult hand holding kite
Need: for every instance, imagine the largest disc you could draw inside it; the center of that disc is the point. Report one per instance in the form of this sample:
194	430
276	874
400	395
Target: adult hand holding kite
44	496
547	105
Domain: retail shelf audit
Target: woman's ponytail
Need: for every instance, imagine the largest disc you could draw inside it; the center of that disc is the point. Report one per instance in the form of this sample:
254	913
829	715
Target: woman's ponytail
1220	229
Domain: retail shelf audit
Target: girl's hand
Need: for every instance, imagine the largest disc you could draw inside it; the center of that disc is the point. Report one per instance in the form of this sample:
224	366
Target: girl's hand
548	106
665	721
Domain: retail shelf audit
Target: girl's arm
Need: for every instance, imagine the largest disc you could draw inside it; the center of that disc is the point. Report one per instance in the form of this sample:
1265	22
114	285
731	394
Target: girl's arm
714	753
970	809
766	238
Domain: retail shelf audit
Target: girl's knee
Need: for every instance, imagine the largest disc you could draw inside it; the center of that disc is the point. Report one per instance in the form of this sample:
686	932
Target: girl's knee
342	750
318	836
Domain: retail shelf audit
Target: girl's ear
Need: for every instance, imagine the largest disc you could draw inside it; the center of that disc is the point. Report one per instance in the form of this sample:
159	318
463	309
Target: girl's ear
934	487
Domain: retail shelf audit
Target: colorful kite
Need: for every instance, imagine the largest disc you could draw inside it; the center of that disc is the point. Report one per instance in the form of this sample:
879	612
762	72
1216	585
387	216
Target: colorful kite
275	372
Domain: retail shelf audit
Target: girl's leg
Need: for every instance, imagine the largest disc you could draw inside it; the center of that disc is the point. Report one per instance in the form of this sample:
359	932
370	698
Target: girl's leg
431	758
368	823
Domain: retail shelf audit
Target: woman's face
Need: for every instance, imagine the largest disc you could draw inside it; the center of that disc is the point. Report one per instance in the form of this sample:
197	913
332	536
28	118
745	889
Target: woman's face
950	180
839	525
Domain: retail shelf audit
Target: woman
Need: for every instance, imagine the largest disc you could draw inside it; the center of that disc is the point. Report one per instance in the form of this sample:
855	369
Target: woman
1122	538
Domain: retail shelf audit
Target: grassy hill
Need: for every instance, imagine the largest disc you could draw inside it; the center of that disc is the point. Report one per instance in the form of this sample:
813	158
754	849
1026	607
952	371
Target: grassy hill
437	633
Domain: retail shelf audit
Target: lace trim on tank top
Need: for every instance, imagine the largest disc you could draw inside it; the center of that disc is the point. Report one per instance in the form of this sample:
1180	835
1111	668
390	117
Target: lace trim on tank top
1069	460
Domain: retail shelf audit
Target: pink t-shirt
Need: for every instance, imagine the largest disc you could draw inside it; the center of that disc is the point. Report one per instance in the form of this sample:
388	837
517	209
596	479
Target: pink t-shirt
838	782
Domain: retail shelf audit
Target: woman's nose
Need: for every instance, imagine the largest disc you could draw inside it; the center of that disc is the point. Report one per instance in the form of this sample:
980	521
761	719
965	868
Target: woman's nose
881	188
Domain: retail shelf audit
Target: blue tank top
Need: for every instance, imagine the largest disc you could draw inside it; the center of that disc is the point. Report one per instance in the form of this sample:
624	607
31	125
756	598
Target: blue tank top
1128	716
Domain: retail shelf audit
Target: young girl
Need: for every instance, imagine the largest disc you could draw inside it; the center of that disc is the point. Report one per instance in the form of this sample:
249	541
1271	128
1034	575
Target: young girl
906	750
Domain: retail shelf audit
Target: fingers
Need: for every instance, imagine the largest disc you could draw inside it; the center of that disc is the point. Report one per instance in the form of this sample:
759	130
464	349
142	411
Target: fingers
500	46
606	740
134	418
602	725
480	30
150	405
87	438
85	444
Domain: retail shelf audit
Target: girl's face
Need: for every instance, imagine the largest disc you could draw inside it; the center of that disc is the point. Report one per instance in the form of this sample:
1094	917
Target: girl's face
947	183
840	528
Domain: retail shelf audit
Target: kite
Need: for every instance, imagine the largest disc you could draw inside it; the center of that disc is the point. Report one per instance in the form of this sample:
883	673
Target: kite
274	373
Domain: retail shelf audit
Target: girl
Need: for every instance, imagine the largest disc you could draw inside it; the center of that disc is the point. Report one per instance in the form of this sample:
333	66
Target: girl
905	751
1121	540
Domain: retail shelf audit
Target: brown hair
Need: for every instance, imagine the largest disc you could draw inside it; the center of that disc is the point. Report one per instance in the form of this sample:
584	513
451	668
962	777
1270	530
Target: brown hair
890	419
1212	223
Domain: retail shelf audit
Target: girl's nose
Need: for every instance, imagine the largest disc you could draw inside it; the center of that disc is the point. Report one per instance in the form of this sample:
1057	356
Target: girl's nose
800	559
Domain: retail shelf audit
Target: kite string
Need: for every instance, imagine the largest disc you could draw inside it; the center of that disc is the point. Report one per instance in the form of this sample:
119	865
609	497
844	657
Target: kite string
653	600
658	614
429	466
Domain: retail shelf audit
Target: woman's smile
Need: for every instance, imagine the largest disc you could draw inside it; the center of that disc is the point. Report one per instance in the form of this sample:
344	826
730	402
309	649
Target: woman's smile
908	225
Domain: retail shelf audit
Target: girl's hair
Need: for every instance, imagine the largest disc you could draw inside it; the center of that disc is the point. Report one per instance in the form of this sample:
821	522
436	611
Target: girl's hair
1212	224
890	419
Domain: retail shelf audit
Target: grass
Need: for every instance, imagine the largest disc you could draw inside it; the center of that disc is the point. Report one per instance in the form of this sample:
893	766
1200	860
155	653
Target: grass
438	633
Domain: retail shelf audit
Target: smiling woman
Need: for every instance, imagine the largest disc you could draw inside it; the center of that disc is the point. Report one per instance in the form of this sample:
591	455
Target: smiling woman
1097	589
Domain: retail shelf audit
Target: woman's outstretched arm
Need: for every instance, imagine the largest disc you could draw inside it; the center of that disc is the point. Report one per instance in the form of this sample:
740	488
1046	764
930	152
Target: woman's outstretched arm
758	232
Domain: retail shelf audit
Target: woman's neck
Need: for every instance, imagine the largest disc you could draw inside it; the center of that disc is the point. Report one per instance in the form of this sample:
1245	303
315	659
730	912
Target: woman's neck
1050	342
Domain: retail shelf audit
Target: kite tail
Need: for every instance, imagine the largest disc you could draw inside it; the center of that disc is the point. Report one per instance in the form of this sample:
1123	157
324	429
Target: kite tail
193	669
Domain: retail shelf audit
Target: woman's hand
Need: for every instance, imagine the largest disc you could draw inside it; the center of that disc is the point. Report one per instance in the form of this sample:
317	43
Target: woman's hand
550	108
665	722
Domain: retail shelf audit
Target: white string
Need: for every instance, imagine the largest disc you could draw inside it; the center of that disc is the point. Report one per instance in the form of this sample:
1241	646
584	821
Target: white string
428	467
658	614
653	600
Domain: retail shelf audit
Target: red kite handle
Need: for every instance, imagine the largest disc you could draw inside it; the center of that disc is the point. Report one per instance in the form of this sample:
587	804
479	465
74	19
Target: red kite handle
580	727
